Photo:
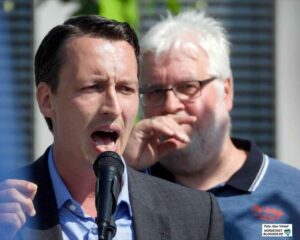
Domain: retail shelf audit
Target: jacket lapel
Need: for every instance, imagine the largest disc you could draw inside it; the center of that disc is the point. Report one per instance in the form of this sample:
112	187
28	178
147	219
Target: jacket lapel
45	224
150	217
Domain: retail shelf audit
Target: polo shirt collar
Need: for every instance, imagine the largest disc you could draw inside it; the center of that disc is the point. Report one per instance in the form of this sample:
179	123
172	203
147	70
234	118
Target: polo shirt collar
248	177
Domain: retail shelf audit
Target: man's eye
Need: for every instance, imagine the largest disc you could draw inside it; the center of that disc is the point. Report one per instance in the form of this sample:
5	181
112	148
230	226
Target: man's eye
187	88
95	87
126	90
154	94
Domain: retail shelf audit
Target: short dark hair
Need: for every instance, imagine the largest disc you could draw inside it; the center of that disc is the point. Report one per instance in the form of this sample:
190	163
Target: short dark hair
50	54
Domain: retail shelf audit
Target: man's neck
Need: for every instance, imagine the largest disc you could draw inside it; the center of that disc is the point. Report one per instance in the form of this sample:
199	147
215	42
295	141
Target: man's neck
82	189
217	171
80	183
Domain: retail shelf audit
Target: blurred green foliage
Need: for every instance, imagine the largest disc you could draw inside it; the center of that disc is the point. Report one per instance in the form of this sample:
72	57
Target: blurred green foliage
120	10
173	6
125	10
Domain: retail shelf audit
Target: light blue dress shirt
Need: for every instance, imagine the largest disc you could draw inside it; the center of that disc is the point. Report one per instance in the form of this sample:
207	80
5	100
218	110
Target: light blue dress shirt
75	223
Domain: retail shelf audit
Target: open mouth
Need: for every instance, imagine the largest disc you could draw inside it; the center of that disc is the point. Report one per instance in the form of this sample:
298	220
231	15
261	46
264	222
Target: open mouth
105	140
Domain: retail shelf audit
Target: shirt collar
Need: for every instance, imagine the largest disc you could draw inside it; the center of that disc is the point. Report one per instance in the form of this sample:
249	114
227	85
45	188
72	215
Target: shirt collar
63	195
124	193
248	177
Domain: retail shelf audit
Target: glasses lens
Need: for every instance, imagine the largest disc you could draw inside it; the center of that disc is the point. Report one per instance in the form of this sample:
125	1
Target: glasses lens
153	98
185	90
188	90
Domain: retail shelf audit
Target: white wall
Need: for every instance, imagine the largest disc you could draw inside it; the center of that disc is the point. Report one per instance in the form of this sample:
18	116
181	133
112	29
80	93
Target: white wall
288	81
46	16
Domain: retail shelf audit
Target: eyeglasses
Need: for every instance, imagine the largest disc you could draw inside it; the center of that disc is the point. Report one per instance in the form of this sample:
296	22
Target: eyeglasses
155	95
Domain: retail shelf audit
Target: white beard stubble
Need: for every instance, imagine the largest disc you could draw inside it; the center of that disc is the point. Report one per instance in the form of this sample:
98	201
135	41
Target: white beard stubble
207	141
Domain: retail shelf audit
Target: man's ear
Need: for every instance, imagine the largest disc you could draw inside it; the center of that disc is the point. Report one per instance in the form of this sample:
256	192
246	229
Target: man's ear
44	97
228	88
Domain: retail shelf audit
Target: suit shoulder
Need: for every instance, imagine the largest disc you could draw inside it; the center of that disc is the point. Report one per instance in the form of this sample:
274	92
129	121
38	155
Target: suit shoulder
193	213
170	190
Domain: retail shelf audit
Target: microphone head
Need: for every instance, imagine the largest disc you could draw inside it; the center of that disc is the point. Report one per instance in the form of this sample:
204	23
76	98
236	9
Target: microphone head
108	159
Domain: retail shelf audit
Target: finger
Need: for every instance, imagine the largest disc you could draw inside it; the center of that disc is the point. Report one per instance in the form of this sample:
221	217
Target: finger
154	125
26	187
179	118
13	207
166	127
169	146
13	195
10	223
149	156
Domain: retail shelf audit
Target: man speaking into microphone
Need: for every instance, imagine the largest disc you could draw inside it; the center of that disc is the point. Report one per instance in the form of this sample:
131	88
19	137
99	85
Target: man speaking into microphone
86	73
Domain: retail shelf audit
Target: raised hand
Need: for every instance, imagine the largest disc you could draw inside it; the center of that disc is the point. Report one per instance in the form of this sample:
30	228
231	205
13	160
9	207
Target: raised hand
16	201
152	138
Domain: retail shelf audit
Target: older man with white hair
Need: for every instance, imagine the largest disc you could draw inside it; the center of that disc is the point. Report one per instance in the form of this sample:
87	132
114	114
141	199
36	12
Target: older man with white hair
187	95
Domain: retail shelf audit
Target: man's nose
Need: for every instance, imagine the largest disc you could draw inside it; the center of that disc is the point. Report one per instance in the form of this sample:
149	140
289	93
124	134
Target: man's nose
110	103
172	104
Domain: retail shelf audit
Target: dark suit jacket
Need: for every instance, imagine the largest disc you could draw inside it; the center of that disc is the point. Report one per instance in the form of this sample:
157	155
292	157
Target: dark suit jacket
161	210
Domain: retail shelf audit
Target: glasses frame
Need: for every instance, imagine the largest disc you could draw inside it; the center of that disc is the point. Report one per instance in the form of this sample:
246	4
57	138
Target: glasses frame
202	84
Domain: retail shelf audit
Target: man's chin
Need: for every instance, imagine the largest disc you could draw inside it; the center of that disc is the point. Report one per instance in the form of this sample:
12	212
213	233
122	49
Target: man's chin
176	163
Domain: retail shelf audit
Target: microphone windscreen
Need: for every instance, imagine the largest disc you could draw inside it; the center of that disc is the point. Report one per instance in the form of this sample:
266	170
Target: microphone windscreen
108	159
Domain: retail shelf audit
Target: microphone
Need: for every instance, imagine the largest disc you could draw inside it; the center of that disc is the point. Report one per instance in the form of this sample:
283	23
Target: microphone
108	169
